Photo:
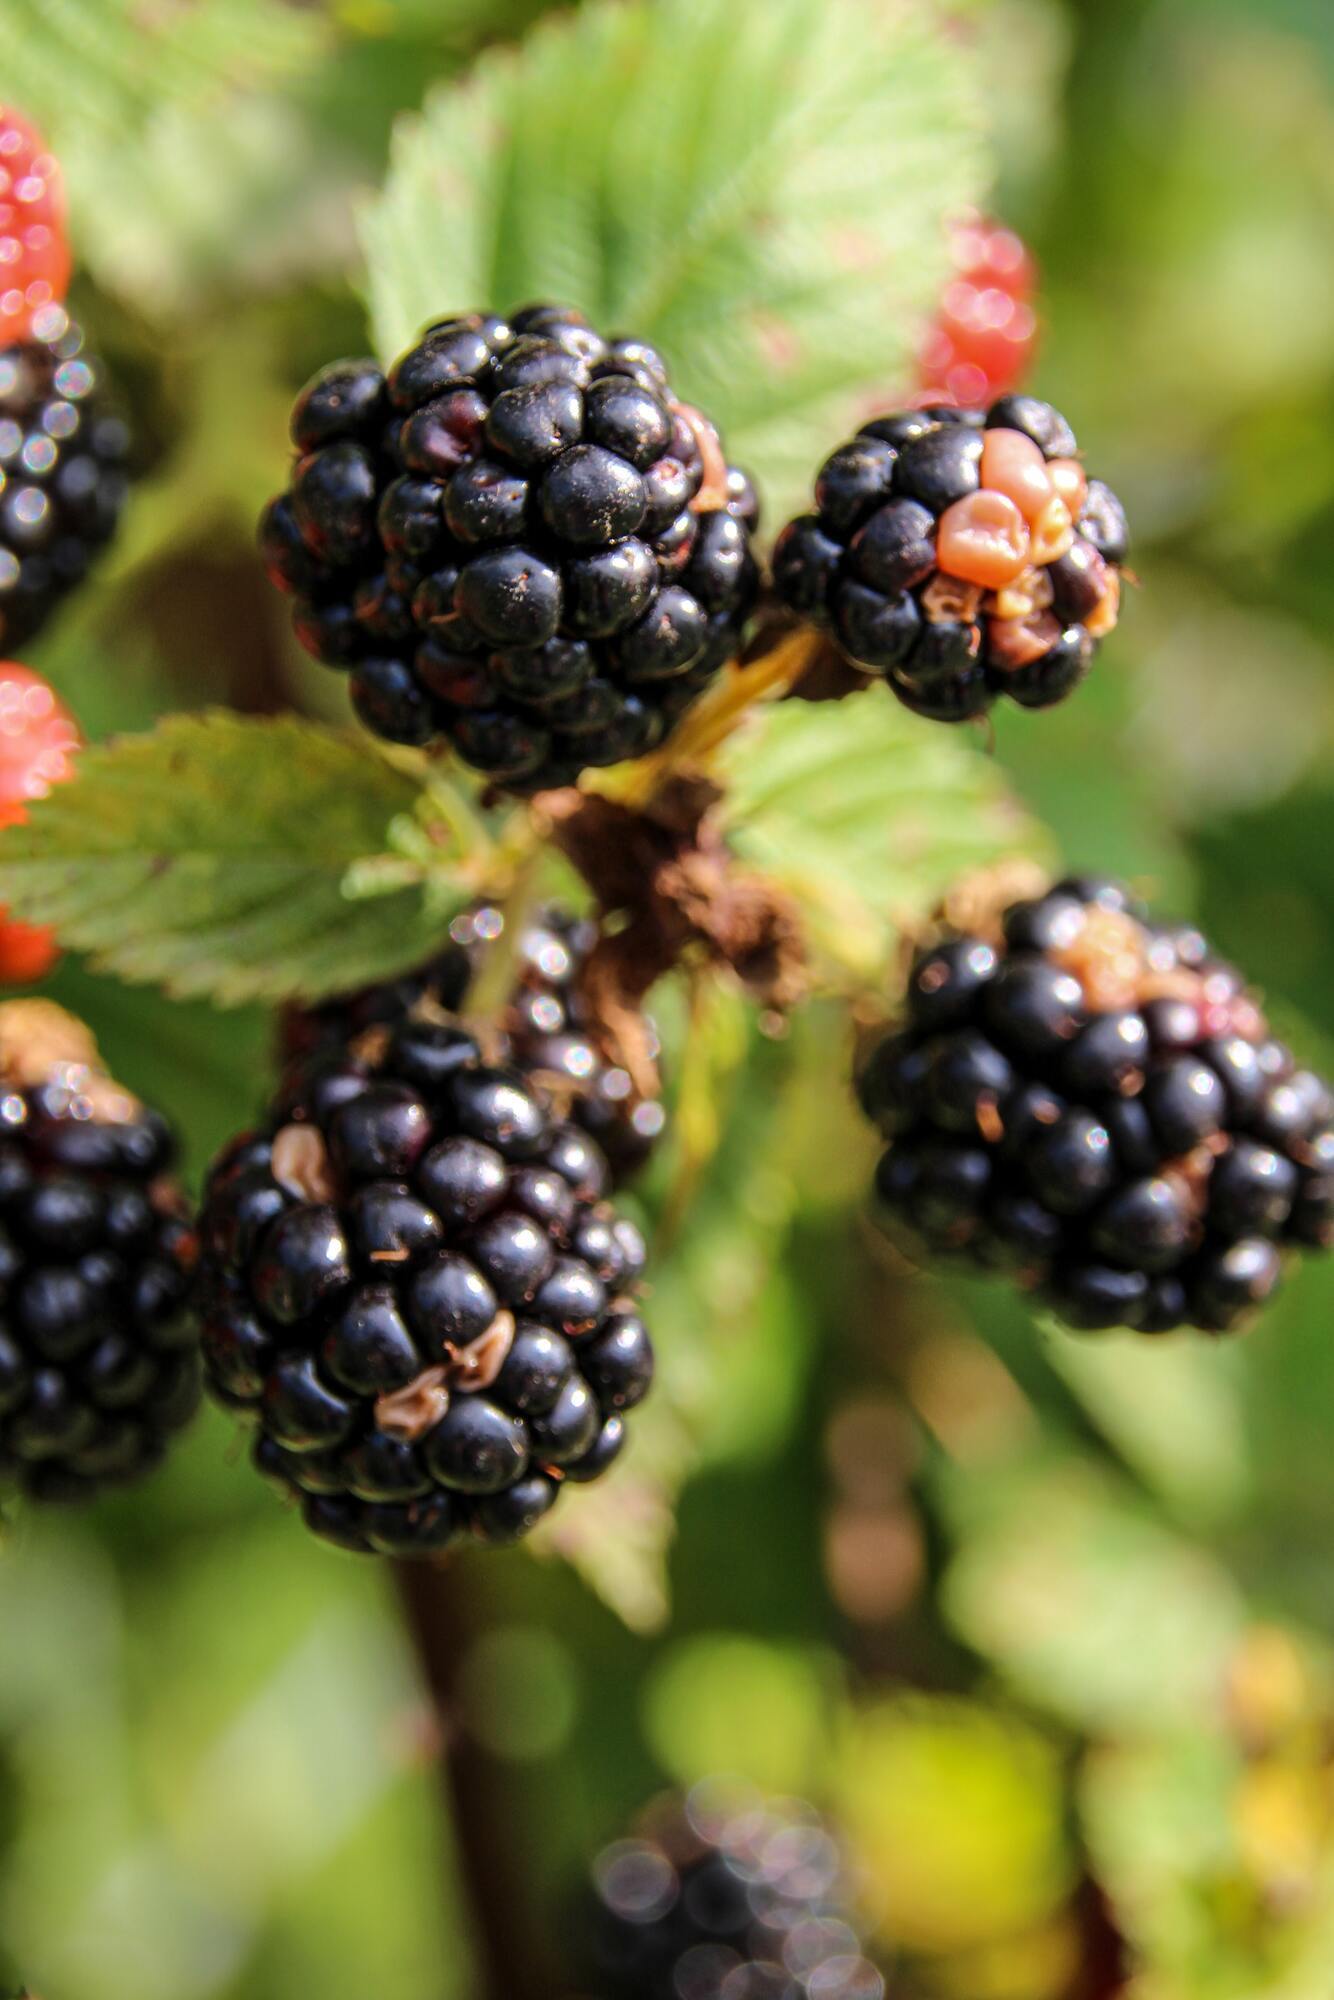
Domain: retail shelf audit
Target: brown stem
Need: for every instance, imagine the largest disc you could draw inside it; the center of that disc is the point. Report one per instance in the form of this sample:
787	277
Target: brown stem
444	1616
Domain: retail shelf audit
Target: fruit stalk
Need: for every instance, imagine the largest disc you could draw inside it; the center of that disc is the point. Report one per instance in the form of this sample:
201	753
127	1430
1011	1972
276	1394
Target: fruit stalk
443	1614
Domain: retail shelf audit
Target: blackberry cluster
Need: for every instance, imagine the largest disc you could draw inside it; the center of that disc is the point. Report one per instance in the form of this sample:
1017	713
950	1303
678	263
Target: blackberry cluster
727	1898
98	1360
414	1287
547	1029
962	555
519	540
1096	1104
63	473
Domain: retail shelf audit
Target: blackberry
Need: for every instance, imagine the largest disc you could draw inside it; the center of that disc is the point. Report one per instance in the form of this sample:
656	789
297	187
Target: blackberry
1094	1102
518	540
961	555
62	472
98	1359
415	1289
726	1893
547	1026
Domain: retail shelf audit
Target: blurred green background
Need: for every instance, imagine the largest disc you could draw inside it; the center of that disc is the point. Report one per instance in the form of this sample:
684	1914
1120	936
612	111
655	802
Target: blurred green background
1049	1625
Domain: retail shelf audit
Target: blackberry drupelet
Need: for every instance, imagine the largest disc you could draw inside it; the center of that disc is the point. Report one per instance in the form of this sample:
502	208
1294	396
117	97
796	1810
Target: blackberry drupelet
552	1031
547	1028
414	1287
1095	1104
960	554
727	1894
63	472
519	541
98	1359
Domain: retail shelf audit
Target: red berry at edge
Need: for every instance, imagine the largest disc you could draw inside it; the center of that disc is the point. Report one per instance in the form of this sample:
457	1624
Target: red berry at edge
34	254
38	739
981	342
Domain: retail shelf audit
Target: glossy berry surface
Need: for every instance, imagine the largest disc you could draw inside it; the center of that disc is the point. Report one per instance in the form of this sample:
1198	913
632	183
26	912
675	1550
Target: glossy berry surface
982	340
98	1359
38	742
961	554
416	1291
726	1893
34	253
1095	1104
518	541
548	1025
62	472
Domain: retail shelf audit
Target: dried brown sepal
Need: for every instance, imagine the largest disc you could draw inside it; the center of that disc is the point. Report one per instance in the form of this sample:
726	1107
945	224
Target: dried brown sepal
1032	591
989	1121
713	491
37	1037
168	1199
408	1413
371	1046
947	600
477	1365
665	871
300	1163
1190	1172
1109	956
978	901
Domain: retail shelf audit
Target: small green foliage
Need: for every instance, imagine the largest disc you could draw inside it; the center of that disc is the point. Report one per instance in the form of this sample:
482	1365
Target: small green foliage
212	857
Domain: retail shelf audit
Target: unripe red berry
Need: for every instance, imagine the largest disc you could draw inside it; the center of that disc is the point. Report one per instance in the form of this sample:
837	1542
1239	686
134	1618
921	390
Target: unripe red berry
38	739
981	342
34	253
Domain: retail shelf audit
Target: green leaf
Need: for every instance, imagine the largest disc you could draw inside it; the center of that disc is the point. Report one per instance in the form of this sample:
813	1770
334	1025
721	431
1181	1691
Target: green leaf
172	131
955	1813
1090	1607
757	190
867	815
211	856
1175	1412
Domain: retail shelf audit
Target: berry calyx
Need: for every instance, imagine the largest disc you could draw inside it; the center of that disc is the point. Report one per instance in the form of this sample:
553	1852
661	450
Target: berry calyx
961	555
34	253
1094	1103
520	541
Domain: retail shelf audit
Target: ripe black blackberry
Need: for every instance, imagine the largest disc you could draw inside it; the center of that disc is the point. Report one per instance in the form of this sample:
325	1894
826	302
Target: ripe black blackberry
1095	1103
62	473
415	1288
519	541
725	1894
546	1029
962	555
98	1360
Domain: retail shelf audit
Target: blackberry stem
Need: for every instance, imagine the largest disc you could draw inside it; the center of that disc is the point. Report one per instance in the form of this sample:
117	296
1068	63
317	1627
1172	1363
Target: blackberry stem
720	712
490	992
443	1615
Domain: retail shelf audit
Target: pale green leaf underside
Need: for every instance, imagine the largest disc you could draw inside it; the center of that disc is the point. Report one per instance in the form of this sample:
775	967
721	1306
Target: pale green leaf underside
867	815
210	856
758	190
